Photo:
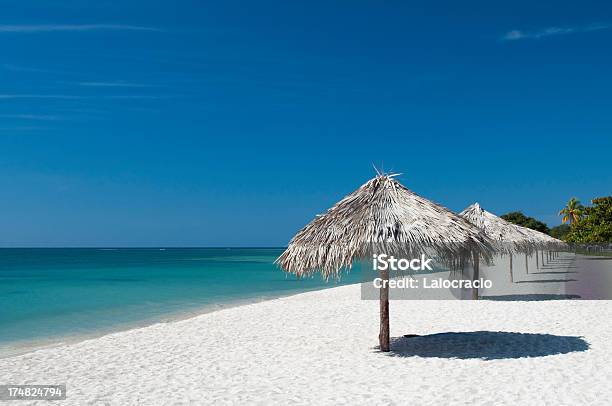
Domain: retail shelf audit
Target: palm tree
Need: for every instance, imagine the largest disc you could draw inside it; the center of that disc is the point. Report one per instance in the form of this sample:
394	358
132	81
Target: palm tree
572	212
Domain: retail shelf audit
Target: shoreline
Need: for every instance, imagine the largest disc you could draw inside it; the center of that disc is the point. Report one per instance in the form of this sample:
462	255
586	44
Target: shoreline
23	347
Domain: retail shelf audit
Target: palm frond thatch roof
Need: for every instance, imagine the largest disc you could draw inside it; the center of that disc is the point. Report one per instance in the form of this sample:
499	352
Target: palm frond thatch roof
545	241
382	216
509	237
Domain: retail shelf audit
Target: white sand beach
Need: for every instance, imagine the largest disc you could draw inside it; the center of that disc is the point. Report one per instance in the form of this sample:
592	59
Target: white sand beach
320	348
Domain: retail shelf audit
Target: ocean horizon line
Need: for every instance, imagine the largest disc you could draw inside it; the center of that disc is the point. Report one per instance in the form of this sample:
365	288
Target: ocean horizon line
149	247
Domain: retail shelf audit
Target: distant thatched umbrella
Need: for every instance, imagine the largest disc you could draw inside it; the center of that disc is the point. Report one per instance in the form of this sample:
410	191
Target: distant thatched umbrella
545	241
509	237
382	216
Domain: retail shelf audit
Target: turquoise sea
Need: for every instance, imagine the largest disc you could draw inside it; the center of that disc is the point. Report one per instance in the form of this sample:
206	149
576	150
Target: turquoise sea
54	295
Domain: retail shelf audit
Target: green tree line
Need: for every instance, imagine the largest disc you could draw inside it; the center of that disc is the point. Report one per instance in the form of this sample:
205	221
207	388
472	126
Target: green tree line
581	224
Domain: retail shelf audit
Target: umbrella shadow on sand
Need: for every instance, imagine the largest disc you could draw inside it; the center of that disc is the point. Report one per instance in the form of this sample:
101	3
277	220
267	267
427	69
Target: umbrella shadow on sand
485	345
531	297
548	281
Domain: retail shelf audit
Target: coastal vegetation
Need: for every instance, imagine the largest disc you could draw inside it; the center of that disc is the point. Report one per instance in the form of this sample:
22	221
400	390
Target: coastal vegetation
522	220
595	224
580	224
572	212
560	232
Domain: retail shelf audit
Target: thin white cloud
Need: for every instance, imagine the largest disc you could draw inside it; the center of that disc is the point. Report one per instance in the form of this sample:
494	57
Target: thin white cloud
39	96
20	128
17	68
114	84
35	117
514	35
137	96
36	28
73	97
58	70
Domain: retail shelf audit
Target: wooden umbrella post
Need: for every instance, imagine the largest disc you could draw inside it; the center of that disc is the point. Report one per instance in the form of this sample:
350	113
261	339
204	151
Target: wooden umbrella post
511	273
526	263
384	336
537	260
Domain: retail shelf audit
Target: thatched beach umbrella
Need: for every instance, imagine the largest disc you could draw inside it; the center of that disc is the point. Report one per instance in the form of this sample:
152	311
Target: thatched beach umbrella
510	238
382	216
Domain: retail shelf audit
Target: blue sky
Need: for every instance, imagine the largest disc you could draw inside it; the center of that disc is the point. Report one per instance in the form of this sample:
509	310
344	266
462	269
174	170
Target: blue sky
234	123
